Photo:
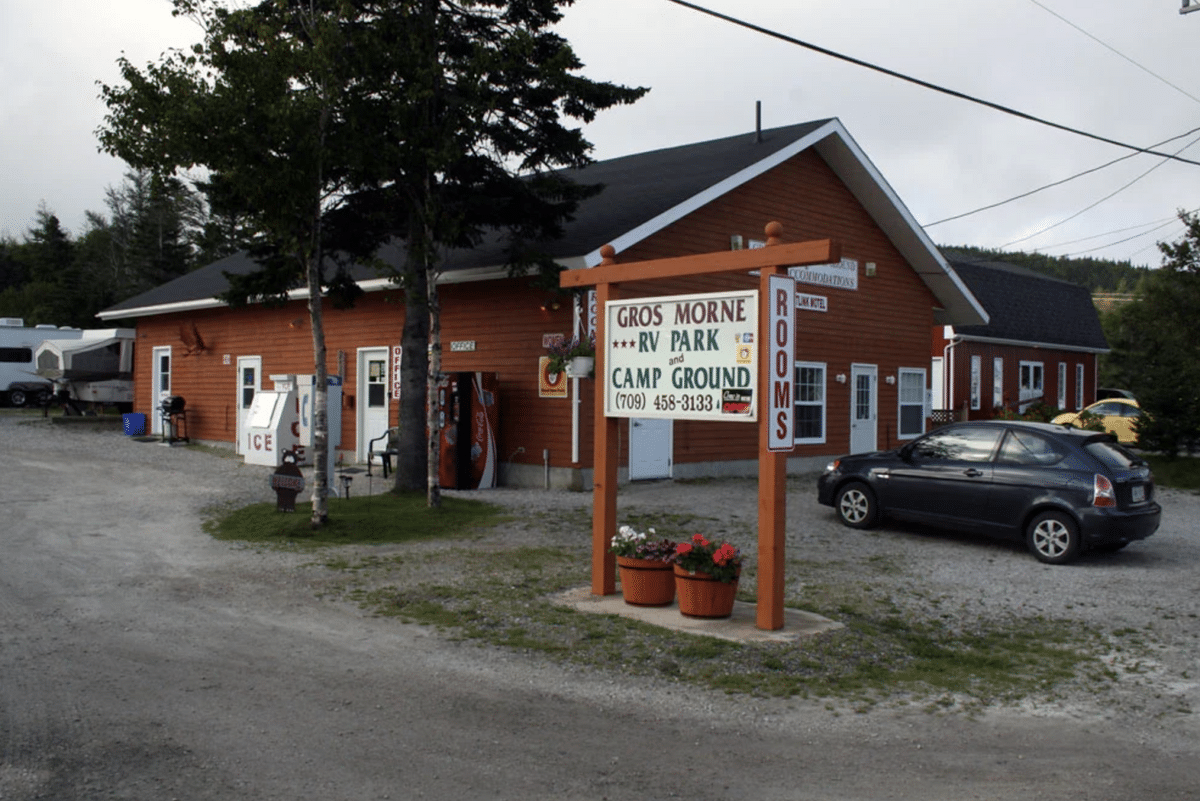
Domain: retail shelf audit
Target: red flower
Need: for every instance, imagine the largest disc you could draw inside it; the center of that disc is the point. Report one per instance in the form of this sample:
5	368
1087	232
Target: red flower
683	548
724	554
699	540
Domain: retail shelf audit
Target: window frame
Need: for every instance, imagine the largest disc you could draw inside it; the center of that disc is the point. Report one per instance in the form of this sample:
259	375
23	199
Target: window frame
900	403
976	379
1079	374
997	382
1062	385
823	403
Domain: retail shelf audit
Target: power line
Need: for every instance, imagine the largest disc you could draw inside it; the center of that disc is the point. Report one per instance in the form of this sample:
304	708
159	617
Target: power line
1115	50
1098	202
925	84
1055	183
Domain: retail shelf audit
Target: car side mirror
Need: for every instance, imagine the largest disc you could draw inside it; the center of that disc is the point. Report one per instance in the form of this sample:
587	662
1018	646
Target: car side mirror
906	453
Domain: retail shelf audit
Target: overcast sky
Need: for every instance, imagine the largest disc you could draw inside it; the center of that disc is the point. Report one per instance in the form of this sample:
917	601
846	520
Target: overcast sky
1128	75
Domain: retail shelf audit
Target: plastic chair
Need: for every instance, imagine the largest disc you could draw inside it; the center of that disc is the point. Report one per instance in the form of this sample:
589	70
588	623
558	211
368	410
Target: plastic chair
390	440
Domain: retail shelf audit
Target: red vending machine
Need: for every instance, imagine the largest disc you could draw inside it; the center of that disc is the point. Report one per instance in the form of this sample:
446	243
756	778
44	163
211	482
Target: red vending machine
467	414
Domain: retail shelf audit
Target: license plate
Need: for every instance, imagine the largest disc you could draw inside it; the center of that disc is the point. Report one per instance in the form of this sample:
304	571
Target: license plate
1139	493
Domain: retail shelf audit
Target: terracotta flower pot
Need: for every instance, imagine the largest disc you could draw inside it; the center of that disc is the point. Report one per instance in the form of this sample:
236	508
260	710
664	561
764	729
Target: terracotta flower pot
645	582
701	595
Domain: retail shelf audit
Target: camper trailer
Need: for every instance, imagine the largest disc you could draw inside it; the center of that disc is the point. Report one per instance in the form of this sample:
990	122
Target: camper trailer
19	382
95	368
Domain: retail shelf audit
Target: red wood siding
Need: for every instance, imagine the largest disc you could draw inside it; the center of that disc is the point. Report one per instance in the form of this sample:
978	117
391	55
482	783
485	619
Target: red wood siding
886	322
959	372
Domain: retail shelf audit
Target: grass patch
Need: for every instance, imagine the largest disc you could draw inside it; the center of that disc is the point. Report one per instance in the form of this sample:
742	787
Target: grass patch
1179	472
372	519
882	656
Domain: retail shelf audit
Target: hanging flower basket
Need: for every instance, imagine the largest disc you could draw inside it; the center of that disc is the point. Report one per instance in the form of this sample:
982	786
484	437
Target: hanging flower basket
581	366
646	582
701	595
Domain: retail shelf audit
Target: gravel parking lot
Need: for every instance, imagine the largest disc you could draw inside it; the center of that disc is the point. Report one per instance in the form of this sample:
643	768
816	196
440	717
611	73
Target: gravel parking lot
134	573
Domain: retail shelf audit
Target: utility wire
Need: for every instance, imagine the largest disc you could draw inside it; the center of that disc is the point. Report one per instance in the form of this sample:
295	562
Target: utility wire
1098	202
1055	183
1118	52
925	84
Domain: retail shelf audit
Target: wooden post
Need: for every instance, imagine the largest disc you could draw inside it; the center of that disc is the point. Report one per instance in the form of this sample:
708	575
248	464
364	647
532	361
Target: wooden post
772	484
604	455
772	469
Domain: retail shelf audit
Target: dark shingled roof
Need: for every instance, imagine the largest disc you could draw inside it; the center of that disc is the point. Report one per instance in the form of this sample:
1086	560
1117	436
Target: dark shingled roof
642	194
636	189
1026	306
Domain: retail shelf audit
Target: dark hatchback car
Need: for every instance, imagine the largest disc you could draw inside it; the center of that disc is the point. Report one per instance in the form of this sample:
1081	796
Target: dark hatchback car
1059	489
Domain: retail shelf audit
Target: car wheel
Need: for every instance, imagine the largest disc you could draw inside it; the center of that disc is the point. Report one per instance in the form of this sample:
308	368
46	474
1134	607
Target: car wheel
17	397
1053	537
856	506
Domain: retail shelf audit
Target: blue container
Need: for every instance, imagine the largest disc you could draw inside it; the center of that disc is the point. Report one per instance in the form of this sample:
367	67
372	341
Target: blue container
135	424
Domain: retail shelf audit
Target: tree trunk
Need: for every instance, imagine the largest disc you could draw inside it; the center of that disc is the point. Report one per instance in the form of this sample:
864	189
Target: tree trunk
411	459
320	411
433	453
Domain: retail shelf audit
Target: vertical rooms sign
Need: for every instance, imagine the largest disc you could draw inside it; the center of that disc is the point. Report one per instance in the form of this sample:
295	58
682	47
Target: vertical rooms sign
688	357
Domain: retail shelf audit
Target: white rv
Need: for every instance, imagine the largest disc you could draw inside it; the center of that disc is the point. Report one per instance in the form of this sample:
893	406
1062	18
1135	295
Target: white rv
96	367
19	382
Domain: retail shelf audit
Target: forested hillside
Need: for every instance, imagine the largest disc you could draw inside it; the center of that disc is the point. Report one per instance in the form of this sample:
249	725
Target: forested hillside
1098	275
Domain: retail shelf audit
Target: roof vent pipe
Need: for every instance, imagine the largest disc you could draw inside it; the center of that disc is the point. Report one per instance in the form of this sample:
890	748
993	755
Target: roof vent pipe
757	122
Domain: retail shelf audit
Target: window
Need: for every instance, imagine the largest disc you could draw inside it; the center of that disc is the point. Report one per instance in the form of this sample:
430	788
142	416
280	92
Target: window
810	402
976	377
1027	447
912	402
964	444
998	383
1031	381
1078	386
1062	385
22	355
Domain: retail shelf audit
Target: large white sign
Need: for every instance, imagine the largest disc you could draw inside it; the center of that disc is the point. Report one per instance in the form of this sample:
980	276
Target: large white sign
781	355
843	275
687	357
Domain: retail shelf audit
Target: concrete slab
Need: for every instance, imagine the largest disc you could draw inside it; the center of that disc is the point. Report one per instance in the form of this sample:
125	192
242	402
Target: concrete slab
740	627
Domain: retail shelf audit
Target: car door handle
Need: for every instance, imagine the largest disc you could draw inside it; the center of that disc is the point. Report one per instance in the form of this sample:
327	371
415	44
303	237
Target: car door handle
972	473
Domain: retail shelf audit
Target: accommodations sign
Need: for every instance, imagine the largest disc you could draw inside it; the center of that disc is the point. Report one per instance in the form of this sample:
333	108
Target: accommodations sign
686	357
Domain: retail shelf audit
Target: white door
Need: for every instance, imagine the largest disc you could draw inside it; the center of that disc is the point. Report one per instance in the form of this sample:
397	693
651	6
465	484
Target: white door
372	397
161	383
864	407
249	382
650	445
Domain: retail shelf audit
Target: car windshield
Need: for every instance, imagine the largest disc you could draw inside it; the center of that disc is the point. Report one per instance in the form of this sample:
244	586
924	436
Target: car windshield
1113	454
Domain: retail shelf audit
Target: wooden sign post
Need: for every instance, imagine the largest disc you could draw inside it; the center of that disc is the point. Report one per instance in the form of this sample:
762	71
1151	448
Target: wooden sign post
772	393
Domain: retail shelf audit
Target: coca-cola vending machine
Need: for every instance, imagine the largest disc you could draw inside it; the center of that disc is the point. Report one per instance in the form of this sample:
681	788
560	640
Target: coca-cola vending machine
468	416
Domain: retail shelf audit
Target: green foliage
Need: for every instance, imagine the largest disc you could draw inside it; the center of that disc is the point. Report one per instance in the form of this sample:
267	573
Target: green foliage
1155	344
1098	275
1040	412
1089	422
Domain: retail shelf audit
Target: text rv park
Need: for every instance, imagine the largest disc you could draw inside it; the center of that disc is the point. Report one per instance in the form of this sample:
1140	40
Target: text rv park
684	357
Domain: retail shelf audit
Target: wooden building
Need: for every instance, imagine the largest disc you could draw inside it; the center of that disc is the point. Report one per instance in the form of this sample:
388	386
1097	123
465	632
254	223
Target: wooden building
1041	345
862	369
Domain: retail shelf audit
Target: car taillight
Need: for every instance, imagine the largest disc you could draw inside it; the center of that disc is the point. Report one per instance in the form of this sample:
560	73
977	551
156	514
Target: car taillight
1102	492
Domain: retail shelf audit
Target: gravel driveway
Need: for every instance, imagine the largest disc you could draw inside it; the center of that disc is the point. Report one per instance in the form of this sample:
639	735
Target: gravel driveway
140	659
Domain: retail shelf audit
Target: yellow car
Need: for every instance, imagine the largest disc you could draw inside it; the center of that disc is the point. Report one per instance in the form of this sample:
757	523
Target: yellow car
1117	414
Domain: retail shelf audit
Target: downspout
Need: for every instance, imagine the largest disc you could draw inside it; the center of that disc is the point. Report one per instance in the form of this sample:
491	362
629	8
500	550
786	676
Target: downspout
948	374
575	405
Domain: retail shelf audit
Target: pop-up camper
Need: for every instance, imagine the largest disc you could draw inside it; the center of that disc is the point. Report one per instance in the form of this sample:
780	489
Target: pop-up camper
19	382
96	368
